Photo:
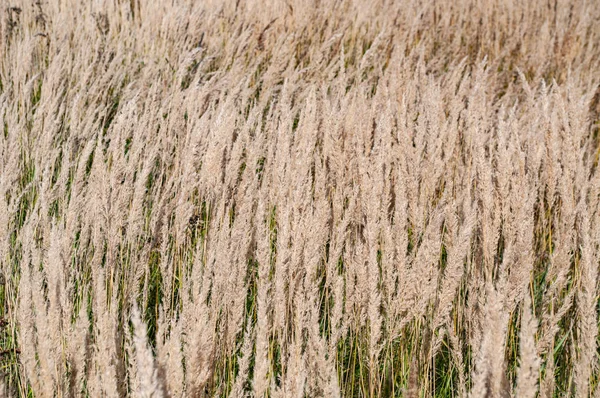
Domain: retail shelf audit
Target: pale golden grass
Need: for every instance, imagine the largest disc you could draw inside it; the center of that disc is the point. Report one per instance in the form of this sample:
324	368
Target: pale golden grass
299	198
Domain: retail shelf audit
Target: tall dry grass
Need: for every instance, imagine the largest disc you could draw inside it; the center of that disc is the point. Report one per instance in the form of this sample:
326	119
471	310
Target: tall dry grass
299	199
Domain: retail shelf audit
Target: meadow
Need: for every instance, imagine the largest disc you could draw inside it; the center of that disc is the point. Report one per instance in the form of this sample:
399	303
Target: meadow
299	198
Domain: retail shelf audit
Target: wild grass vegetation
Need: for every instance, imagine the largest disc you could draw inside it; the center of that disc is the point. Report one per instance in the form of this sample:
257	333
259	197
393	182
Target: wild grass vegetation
299	199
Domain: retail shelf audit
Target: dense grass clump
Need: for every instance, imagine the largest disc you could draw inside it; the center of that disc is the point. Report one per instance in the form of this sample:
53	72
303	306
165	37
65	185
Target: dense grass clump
299	198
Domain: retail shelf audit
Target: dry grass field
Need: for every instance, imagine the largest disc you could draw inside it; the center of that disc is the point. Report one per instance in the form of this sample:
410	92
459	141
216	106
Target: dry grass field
301	198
